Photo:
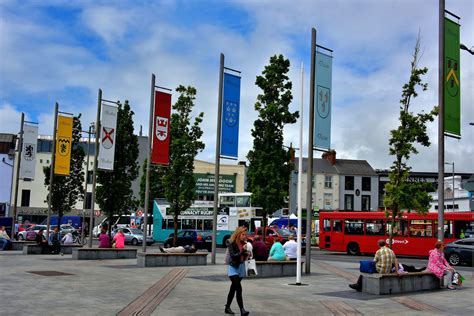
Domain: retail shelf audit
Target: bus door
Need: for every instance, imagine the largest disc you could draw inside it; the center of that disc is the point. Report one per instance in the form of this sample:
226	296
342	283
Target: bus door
337	234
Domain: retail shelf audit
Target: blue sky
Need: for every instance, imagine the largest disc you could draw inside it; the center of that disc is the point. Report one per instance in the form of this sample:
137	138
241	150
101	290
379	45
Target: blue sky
65	50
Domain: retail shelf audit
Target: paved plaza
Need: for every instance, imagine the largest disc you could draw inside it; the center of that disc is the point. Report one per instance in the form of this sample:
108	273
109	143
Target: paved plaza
31	286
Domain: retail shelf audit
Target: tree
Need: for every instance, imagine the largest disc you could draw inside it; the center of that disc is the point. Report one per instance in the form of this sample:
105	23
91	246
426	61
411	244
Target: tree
178	179
114	190
68	189
400	193
156	186
269	162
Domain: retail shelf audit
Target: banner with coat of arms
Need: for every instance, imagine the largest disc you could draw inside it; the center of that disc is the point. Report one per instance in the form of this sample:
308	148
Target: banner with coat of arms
63	146
161	129
230	116
323	101
108	130
28	152
452	80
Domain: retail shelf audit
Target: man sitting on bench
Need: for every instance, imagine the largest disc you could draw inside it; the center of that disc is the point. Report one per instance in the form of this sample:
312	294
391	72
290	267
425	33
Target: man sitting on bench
384	259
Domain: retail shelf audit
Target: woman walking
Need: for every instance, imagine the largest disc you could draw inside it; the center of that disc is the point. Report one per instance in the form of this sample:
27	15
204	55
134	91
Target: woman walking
237	247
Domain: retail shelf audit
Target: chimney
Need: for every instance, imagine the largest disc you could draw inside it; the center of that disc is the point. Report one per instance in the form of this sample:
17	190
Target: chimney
330	156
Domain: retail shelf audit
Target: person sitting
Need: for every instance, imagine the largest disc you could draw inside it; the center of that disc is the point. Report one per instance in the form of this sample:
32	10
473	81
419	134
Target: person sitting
119	240
4	239
438	265
179	249
290	248
260	250
67	239
384	259
404	268
277	253
55	241
104	240
41	241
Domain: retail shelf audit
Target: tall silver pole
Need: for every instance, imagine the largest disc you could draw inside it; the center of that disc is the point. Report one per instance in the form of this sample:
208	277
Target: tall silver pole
51	172
218	155
17	172
84	204
148	162
441	122
309	187
453	186
300	178
94	173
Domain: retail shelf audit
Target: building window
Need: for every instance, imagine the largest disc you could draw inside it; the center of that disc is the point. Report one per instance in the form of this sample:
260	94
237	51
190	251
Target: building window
349	202
366	183
327	201
90	173
25	197
365	202
349	183
328	182
41	160
88	200
313	181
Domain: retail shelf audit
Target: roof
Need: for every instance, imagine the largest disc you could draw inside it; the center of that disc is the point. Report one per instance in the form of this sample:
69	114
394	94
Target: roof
7	138
342	167
319	165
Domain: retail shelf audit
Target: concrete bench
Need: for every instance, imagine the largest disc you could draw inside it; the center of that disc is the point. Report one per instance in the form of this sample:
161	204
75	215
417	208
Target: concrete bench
104	253
171	259
268	269
34	249
18	245
392	283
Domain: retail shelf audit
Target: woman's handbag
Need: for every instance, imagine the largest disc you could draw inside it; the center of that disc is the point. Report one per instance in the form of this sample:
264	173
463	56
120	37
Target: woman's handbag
457	278
250	267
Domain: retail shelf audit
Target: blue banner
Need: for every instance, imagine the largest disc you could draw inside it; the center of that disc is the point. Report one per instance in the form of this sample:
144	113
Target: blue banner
230	116
322	96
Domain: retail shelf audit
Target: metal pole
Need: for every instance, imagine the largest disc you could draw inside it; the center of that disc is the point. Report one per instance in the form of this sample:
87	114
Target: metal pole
84	205
453	186
51	172
218	155
17	172
441	122
94	173
309	176
148	162
300	175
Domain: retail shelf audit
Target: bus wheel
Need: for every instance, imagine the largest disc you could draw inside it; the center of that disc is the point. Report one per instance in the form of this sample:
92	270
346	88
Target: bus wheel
224	242
353	249
454	259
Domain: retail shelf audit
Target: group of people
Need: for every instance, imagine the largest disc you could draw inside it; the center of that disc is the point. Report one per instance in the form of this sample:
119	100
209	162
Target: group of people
386	262
117	242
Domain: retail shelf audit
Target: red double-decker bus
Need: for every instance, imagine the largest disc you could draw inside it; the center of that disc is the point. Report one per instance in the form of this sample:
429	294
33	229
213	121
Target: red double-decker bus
414	234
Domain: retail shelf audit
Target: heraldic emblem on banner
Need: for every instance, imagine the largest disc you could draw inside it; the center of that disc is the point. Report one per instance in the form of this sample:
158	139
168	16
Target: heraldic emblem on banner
161	130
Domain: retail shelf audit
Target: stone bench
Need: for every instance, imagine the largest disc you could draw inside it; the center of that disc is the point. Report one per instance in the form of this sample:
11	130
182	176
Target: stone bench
18	245
403	283
34	249
171	259
269	269
104	253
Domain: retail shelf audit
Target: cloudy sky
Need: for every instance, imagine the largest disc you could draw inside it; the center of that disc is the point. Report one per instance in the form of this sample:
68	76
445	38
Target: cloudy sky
65	50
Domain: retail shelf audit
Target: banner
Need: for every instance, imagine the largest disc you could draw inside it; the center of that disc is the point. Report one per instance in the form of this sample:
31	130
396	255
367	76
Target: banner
28	152
205	183
161	129
230	116
452	80
108	130
322	95
63	146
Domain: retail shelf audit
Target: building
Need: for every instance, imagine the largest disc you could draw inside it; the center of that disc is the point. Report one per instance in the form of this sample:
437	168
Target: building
7	155
456	197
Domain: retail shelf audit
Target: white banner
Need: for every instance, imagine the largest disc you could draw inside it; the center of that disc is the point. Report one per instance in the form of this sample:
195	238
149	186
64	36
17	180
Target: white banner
107	137
28	152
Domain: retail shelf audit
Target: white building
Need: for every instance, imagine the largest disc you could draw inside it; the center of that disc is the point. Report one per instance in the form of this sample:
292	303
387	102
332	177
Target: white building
456	199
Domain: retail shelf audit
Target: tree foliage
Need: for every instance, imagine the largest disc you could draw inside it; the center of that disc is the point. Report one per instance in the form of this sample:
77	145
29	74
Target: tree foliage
114	189
68	189
178	179
400	193
269	162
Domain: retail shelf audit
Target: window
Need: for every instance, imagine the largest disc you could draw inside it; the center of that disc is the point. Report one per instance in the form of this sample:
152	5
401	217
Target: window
366	183
25	197
349	202
448	228
375	227
354	226
242	201
88	200
41	160
327	201
208	224
327	225
227	200
421	228
463	229
313	181
90	173
328	182
365	202
189	224
171	224
400	228
349	183
337	225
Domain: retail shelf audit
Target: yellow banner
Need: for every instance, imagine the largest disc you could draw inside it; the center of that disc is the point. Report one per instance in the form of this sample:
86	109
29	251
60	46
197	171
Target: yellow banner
63	146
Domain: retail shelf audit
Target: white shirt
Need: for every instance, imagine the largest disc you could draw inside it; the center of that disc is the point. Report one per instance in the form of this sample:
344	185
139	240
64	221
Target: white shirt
67	239
290	248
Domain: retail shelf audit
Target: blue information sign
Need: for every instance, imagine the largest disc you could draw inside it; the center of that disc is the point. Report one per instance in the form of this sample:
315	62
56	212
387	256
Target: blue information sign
230	116
322	113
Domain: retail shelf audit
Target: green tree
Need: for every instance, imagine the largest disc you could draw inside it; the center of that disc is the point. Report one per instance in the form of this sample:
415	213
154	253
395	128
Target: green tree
68	189
185	143
156	187
114	189
269	162
400	193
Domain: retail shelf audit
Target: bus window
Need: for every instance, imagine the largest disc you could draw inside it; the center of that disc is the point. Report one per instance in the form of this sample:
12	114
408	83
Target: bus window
327	225
208	224
337	225
188	224
163	224
463	229
375	227
242	201
421	228
227	201
400	228
354	227
171	225
448	228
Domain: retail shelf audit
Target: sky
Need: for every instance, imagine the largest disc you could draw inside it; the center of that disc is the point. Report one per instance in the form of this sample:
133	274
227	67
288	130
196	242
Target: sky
64	51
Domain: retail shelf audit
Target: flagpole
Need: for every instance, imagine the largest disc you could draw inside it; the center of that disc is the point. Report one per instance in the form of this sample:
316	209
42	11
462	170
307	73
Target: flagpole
17	172
51	172
300	183
441	122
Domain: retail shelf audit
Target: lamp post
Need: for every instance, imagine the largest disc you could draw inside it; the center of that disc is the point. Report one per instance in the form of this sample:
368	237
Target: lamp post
451	163
84	205
469	50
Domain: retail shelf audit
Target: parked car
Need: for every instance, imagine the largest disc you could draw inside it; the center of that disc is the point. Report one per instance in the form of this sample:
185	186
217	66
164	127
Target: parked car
133	236
200	239
30	232
460	251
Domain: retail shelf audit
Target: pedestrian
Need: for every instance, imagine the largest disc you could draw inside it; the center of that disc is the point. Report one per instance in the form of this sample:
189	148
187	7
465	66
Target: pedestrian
291	247
104	240
277	253
86	228
119	240
4	239
260	250
237	248
384	259
55	241
41	241
438	265
67	239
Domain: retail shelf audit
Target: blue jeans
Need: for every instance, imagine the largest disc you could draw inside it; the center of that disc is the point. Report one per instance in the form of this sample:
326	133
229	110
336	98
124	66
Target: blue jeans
5	243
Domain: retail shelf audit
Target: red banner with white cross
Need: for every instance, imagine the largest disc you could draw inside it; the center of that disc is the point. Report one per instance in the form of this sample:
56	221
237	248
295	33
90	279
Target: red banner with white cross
161	129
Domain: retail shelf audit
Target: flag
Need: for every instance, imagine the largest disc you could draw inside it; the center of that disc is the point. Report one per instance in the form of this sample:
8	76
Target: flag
28	151
230	116
108	130
323	102
63	146
161	129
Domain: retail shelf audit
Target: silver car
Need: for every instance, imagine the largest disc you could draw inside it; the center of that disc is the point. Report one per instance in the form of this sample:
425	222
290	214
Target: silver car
133	236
